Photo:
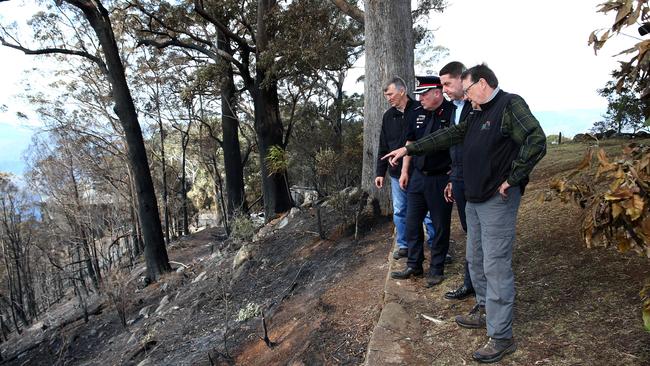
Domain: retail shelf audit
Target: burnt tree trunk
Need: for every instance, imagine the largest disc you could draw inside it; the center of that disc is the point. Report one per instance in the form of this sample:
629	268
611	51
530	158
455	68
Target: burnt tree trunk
163	163
232	160
268	125
185	140
338	113
154	245
218	192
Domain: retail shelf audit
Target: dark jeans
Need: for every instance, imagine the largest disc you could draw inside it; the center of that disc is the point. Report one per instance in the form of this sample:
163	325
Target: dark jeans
458	189
426	194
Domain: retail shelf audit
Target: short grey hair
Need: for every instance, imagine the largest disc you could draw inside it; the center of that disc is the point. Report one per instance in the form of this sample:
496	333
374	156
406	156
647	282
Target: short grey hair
399	83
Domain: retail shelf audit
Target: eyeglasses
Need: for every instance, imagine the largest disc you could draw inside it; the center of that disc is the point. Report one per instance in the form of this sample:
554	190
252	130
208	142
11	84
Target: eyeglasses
465	91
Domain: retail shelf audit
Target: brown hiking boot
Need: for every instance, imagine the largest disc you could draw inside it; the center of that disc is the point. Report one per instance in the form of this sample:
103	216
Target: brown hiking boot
494	350
474	320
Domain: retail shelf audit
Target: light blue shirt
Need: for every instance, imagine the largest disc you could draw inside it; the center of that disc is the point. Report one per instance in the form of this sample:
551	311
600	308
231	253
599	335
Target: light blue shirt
459	107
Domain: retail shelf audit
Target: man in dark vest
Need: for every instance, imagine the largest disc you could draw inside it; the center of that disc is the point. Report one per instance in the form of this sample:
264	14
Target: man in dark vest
426	184
501	146
394	127
455	191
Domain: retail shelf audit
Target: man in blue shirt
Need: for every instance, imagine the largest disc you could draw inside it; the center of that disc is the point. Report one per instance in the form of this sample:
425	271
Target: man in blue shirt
455	191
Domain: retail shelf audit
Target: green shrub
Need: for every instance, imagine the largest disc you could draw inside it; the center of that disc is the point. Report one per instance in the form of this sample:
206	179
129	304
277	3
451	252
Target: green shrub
277	160
250	311
243	228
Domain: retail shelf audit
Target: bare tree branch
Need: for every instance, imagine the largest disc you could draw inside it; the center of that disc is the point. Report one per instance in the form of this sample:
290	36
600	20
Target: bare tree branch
55	50
350	10
175	42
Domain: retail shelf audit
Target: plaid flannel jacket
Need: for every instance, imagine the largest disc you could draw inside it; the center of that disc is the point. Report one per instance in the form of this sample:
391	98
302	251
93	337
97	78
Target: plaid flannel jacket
518	123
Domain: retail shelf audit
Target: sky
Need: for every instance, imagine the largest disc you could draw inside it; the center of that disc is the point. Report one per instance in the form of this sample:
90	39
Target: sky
538	49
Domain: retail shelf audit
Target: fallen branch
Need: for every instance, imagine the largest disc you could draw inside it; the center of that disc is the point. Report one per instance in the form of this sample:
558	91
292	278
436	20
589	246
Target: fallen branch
14	357
96	311
179	263
432	319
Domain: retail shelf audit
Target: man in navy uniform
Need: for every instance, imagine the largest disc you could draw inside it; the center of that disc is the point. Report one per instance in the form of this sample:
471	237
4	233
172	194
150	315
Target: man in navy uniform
427	183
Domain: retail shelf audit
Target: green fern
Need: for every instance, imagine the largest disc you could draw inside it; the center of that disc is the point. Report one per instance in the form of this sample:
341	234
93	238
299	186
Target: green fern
277	160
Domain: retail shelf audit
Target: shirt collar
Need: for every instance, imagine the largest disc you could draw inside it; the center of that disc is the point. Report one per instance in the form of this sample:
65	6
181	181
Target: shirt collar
494	94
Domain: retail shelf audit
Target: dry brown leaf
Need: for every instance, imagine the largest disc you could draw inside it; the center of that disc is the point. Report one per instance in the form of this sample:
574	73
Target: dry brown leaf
605	165
635	14
608	6
623	12
620	193
635	208
620	174
644	162
559	185
586	160
616	184
602	157
616	210
623	245
593	39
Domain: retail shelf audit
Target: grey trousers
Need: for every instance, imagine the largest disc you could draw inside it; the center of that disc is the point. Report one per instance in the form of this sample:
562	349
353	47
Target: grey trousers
490	239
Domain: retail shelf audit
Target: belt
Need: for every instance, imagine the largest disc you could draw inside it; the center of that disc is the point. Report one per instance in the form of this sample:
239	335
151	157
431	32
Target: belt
434	172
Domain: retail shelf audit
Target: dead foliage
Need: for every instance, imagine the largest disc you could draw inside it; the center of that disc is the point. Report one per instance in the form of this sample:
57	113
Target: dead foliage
117	289
628	13
614	197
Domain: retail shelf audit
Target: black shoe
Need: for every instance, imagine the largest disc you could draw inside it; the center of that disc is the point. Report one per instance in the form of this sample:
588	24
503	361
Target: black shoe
400	253
408	272
449	259
460	293
434	280
494	350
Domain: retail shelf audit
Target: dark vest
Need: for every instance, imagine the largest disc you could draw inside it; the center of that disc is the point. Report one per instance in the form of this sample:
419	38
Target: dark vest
423	123
487	153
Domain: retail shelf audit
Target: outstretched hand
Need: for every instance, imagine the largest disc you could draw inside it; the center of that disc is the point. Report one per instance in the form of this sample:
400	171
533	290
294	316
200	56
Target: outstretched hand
394	156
